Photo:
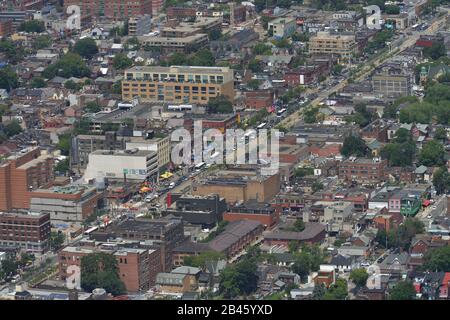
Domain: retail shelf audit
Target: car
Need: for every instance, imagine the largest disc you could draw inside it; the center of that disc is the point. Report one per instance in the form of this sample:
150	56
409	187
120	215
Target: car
429	216
172	185
433	207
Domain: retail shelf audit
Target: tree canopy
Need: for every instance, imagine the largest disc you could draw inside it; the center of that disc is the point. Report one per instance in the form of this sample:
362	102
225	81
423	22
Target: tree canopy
121	61
100	270
437	259
8	79
403	290
401	151
441	180
359	277
337	291
220	104
354	146
86	48
432	154
239	279
32	26
70	65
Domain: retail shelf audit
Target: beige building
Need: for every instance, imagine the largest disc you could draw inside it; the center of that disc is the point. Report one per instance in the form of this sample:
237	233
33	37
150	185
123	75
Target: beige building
178	84
186	44
327	43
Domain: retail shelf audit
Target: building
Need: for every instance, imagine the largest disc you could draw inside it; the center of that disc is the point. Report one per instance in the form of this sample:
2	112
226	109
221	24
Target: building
177	84
137	267
236	237
166	234
173	283
240	188
22	5
392	82
313	233
268	216
140	25
113	9
259	99
132	164
362	170
70	204
21	173
282	27
6	28
335	214
84	145
186	44
29	232
334	44
205	211
221	122
16	17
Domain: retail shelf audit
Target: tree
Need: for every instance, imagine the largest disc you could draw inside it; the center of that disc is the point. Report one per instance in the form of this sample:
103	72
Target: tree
41	42
318	292
354	146
401	151
56	240
302	172
337	291
121	61
310	115
254	65
9	266
203	57
239	279
32	26
220	104
262	49
72	85
117	87
403	290
436	51
309	259
253	84
432	154
298	226
87	48
441	180
12	128
214	34
100	270
392	9
359	277
440	134
64	144
437	260
70	65
13	53
203	259
337	69
63	166
38	82
293	246
92	107
8	79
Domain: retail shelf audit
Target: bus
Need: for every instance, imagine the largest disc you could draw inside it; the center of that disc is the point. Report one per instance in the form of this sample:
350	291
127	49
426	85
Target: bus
281	112
261	126
181	107
90	230
200	165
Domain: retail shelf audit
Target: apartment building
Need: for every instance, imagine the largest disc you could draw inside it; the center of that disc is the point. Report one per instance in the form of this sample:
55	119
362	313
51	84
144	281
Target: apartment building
140	25
178	84
362	170
336	44
186	44
21	173
30	232
112	9
392	82
282	27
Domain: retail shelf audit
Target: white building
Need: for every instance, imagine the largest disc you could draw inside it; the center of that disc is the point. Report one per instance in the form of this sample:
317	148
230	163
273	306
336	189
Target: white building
132	164
282	27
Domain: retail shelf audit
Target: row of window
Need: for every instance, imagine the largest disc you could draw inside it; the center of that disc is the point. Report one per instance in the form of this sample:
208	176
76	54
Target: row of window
173	77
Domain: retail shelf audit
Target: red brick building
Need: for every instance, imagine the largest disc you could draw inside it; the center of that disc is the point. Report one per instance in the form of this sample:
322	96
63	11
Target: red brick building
113	9
20	174
6	28
258	99
268	216
362	170
313	233
30	232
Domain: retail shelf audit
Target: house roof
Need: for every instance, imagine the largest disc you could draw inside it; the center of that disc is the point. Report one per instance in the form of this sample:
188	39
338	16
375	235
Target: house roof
341	260
421	170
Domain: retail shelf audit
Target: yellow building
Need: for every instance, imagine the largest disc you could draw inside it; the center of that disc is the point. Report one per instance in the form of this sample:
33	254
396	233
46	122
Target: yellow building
178	84
327	43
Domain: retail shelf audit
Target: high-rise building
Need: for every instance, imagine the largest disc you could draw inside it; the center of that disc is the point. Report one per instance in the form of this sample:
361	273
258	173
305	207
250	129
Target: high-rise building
178	84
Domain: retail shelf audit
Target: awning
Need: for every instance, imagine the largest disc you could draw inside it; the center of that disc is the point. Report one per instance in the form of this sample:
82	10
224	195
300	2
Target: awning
426	203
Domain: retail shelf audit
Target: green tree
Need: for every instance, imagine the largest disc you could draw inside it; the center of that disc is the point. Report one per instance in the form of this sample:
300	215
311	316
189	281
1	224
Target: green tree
354	146
337	291
9	266
12	128
8	79
319	291
214	34
262	49
310	115
316	186
38	82
403	290
92	107
41	42
392	9
254	65
440	134
441	180
432	154
86	48
302	172
203	259
359	277
56	240
253	84
337	69
436	51
117	87
239	279
72	85
62	166
13	53
203	57
220	104
32	26
100	270
70	65
121	61
64	144
437	260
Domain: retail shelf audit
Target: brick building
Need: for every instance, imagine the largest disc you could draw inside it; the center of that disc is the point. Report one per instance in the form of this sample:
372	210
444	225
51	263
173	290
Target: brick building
362	170
258	99
266	215
20	174
313	233
30	232
113	9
